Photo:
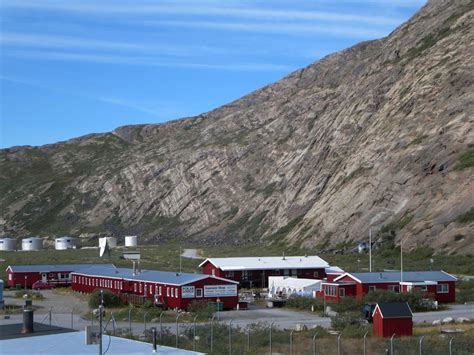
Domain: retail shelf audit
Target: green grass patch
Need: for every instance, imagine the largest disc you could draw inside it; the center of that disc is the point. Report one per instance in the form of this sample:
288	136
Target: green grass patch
467	217
466	160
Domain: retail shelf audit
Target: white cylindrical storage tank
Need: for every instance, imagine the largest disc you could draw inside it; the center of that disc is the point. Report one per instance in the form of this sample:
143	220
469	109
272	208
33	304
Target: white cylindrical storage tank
131	241
111	242
32	243
7	244
64	243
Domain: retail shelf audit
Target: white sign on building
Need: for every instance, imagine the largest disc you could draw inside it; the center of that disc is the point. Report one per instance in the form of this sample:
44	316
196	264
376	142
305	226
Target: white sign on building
187	292
220	290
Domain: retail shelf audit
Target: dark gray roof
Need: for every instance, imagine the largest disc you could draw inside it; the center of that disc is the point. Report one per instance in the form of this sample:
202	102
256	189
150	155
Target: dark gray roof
395	310
12	331
53	267
165	277
408	276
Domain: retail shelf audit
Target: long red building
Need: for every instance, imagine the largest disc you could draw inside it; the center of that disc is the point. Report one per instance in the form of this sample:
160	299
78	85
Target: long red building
254	271
170	289
54	274
358	284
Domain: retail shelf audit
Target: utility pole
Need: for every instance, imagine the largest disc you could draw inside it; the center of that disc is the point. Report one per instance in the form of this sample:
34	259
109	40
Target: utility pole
101	308
180	252
370	249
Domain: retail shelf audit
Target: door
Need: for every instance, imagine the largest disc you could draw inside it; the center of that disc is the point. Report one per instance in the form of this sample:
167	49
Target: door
44	277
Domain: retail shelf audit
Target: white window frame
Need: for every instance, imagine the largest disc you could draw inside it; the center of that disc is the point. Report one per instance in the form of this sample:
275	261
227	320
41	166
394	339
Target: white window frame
167	292
198	292
372	288
394	288
342	292
330	290
315	273
229	274
443	289
423	288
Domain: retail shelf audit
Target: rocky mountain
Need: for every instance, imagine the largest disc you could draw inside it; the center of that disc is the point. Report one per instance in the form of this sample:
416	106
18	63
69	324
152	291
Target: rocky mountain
376	136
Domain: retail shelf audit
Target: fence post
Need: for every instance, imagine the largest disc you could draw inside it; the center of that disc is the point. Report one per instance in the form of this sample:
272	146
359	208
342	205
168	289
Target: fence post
230	336
50	314
130	321
212	332
271	348
248	338
72	318
421	344
339	344
144	319
161	328
92	318
365	343
314	343
391	344
194	334
450	346
177	330
291	342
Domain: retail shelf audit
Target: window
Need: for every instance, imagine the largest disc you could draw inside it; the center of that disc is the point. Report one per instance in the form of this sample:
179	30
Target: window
316	274
198	292
167	292
229	274
330	290
159	291
394	288
293	272
372	288
245	274
213	272
135	287
342	292
442	288
286	272
424	288
64	275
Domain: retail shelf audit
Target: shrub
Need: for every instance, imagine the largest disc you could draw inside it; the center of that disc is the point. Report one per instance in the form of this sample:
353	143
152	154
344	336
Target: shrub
465	291
416	299
35	295
305	303
110	299
201	309
349	319
348	304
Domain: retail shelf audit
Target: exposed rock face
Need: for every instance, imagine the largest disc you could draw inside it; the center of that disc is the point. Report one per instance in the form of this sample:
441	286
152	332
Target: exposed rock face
379	134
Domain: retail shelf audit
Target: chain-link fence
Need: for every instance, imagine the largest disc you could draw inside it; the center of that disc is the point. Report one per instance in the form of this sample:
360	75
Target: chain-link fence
223	337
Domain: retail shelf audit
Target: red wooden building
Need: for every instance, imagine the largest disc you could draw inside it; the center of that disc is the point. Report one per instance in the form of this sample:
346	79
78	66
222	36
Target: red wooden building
170	289
392	318
440	284
254	271
56	274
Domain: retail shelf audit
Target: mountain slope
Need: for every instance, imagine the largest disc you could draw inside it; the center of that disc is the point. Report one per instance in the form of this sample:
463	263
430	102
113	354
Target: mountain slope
380	135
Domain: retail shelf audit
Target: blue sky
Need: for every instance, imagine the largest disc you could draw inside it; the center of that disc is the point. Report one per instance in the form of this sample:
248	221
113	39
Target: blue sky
70	67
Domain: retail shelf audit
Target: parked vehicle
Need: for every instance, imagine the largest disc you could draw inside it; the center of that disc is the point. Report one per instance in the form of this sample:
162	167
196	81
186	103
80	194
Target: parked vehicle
40	285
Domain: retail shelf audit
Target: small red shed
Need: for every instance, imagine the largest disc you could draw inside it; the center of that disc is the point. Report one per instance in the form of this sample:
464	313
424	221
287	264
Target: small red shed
392	318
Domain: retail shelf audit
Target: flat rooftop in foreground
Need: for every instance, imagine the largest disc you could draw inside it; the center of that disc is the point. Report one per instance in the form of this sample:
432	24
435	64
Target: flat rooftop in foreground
73	343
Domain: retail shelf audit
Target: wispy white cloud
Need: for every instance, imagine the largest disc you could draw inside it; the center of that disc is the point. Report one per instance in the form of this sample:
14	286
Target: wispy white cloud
188	8
165	109
280	28
137	60
129	104
70	42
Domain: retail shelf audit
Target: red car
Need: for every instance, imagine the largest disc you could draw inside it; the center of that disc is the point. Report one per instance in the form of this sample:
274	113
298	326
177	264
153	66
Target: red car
40	285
